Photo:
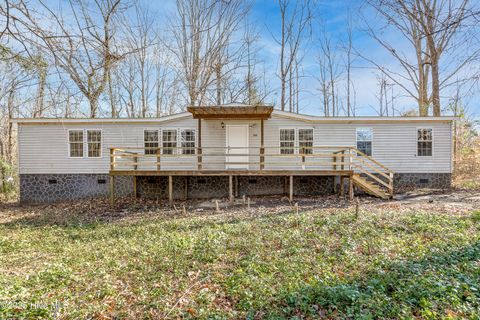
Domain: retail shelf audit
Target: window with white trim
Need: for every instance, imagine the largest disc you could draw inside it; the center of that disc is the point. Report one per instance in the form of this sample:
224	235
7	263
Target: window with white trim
305	141
424	142
188	141
169	141
364	140
94	143
287	141
150	141
75	141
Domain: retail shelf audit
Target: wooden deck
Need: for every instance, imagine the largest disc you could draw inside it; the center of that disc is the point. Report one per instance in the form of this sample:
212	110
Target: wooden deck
338	161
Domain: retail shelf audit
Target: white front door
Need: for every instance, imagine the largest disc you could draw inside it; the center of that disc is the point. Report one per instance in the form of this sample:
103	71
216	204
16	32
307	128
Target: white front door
237	144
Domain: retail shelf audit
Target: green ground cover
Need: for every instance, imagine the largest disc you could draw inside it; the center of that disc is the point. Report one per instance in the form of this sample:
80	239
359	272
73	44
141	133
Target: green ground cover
319	263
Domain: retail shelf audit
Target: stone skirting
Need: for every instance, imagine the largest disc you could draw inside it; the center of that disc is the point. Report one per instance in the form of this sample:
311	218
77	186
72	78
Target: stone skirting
410	181
183	187
45	188
217	187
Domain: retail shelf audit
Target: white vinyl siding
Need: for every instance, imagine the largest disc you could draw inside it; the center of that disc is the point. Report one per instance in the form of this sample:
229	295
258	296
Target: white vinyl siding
44	148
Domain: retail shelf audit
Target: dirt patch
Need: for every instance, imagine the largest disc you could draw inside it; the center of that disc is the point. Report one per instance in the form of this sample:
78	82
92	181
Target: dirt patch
99	210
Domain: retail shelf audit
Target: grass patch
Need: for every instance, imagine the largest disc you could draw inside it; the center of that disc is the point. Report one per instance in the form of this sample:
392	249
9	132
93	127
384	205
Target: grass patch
321	263
476	216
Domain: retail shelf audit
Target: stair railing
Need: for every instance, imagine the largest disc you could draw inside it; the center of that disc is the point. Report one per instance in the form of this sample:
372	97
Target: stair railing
372	168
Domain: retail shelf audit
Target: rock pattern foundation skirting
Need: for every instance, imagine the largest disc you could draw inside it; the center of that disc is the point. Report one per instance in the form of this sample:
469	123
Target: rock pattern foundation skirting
411	181
46	188
217	187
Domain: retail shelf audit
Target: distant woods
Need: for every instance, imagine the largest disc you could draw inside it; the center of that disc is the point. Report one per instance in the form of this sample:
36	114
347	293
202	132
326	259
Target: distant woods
121	58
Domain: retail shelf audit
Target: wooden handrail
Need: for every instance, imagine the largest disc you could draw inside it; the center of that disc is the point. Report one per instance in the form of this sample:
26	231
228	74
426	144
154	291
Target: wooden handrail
273	155
374	177
308	157
232	148
364	160
372	167
371	159
177	163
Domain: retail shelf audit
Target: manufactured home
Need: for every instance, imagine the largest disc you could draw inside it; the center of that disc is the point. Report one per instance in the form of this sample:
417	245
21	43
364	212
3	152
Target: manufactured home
230	151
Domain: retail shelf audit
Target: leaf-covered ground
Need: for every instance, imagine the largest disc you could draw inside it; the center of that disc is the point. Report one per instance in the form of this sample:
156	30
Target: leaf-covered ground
398	259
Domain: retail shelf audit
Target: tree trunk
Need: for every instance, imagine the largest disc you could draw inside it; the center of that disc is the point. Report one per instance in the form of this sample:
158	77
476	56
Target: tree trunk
435	86
282	64
93	100
113	109
38	113
218	74
11	99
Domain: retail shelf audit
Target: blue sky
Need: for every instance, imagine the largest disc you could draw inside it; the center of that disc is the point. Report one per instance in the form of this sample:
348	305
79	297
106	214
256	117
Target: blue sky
333	17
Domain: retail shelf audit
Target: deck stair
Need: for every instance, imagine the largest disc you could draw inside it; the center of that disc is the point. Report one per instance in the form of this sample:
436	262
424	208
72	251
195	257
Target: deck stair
371	176
370	187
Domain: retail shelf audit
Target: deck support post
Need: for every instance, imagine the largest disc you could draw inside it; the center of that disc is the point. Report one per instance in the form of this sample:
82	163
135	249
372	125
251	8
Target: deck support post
342	186
262	145
135	187
185	189
170	190
230	190
199	150
291	189
112	190
112	159
236	186
350	188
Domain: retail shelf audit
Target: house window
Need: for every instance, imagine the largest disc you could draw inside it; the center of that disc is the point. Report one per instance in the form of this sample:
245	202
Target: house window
188	141
424	142
287	141
364	140
75	140
305	141
94	143
169	141
150	141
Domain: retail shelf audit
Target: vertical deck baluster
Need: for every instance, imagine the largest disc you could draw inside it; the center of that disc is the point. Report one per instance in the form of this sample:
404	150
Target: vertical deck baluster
262	146
199	149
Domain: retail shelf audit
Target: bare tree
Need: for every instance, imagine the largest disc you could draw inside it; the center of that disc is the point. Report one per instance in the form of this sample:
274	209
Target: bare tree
296	17
202	33
348	48
85	49
330	75
440	34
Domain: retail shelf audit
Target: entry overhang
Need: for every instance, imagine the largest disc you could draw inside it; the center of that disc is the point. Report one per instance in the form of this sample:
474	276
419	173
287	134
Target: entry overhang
232	111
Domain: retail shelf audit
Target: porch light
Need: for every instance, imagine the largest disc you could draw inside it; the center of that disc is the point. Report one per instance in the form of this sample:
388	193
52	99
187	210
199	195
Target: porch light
223	125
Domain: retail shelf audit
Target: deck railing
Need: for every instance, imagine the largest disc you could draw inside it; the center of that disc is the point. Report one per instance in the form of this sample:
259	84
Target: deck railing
328	158
222	158
374	170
